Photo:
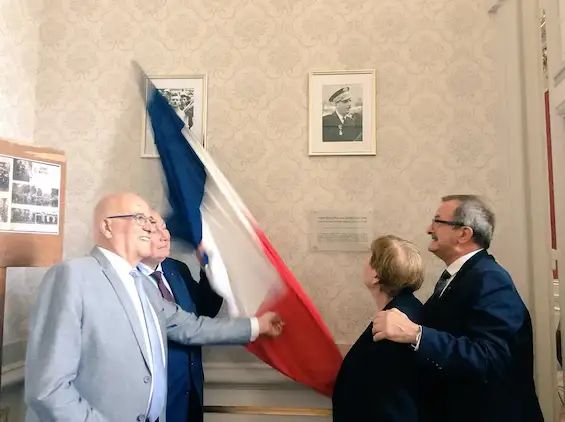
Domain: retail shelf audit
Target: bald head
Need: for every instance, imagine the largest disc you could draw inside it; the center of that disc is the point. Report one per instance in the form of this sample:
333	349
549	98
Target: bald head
122	225
116	204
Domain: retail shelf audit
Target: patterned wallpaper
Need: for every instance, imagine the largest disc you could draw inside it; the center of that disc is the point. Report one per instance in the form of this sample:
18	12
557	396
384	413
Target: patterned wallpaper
19	26
437	107
18	69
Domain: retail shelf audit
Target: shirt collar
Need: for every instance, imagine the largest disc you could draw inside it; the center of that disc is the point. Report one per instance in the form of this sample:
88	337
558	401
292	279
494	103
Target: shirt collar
342	118
120	264
147	270
459	262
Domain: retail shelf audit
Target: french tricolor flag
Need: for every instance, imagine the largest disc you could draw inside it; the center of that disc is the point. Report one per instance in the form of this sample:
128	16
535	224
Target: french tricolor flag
243	266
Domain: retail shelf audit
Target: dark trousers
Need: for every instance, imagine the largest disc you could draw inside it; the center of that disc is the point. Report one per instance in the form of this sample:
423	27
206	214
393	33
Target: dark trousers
195	411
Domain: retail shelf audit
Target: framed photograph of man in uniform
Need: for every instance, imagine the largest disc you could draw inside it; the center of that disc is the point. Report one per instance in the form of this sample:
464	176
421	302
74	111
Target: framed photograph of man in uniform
342	113
187	95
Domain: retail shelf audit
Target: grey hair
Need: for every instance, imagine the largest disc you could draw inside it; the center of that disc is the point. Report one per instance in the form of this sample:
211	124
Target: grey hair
474	213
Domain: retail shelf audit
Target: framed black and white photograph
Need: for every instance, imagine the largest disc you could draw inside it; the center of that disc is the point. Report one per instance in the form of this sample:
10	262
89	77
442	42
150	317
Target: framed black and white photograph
342	113
22	170
4	209
187	95
5	170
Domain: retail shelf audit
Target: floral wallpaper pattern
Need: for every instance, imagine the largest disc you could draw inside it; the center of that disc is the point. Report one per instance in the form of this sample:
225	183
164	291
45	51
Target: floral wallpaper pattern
436	103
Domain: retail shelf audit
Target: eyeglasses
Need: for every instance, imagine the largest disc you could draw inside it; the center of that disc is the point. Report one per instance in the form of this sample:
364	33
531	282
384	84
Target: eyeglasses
139	218
449	223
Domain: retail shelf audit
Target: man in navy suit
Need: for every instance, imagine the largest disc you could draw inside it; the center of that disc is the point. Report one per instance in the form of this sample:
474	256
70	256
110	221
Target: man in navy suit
184	367
475	344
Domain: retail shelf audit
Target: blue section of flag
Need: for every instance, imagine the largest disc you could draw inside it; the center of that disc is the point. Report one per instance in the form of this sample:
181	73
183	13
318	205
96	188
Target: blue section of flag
184	172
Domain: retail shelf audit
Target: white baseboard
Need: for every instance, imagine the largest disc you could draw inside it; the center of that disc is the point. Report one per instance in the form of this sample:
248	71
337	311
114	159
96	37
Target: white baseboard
13	374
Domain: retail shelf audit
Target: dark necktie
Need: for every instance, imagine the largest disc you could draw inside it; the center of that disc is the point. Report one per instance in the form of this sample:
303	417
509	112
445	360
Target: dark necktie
158	277
440	285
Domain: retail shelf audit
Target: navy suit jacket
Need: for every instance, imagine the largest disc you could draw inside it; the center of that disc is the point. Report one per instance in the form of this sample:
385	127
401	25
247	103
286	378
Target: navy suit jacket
184	365
477	350
377	380
351	129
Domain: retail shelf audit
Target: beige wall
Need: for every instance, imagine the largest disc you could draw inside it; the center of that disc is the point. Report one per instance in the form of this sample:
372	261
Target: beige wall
18	68
437	101
437	120
19	26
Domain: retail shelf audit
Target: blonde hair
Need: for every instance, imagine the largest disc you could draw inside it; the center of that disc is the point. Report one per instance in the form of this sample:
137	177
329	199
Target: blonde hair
398	264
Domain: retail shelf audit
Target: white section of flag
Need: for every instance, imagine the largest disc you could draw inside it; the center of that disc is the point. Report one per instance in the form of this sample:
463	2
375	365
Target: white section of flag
238	268
217	273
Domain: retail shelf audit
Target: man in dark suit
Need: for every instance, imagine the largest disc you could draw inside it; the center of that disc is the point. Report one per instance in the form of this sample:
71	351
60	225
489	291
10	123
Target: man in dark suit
341	125
185	375
475	344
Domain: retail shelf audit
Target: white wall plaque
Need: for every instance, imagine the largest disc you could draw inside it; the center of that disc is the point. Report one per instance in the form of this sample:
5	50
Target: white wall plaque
341	231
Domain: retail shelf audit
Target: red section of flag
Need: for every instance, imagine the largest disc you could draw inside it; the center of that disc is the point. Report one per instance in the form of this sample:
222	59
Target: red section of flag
306	351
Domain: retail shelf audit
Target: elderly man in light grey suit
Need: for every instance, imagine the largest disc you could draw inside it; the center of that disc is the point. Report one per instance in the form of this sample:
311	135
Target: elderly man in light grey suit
97	348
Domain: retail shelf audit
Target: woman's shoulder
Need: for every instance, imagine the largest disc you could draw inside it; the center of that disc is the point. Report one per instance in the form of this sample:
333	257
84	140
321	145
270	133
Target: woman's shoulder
409	304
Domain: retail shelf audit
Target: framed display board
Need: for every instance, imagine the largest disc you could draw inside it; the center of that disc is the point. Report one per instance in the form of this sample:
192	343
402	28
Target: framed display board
32	210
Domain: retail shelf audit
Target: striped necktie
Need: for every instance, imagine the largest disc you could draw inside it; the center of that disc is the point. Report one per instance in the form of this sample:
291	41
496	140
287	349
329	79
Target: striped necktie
159	390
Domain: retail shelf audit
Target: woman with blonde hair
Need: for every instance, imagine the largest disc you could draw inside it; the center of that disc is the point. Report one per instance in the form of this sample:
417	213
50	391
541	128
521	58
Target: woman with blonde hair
377	380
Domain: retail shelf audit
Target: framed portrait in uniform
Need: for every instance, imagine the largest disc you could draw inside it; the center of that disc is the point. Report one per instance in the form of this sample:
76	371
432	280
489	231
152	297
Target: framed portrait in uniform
342	113
187	95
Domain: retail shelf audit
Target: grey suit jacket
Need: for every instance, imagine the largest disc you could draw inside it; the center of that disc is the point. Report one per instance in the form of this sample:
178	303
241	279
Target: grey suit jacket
86	357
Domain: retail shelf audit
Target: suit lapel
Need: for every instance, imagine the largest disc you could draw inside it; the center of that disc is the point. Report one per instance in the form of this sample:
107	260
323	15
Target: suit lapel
169	273
125	300
461	274
180	290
